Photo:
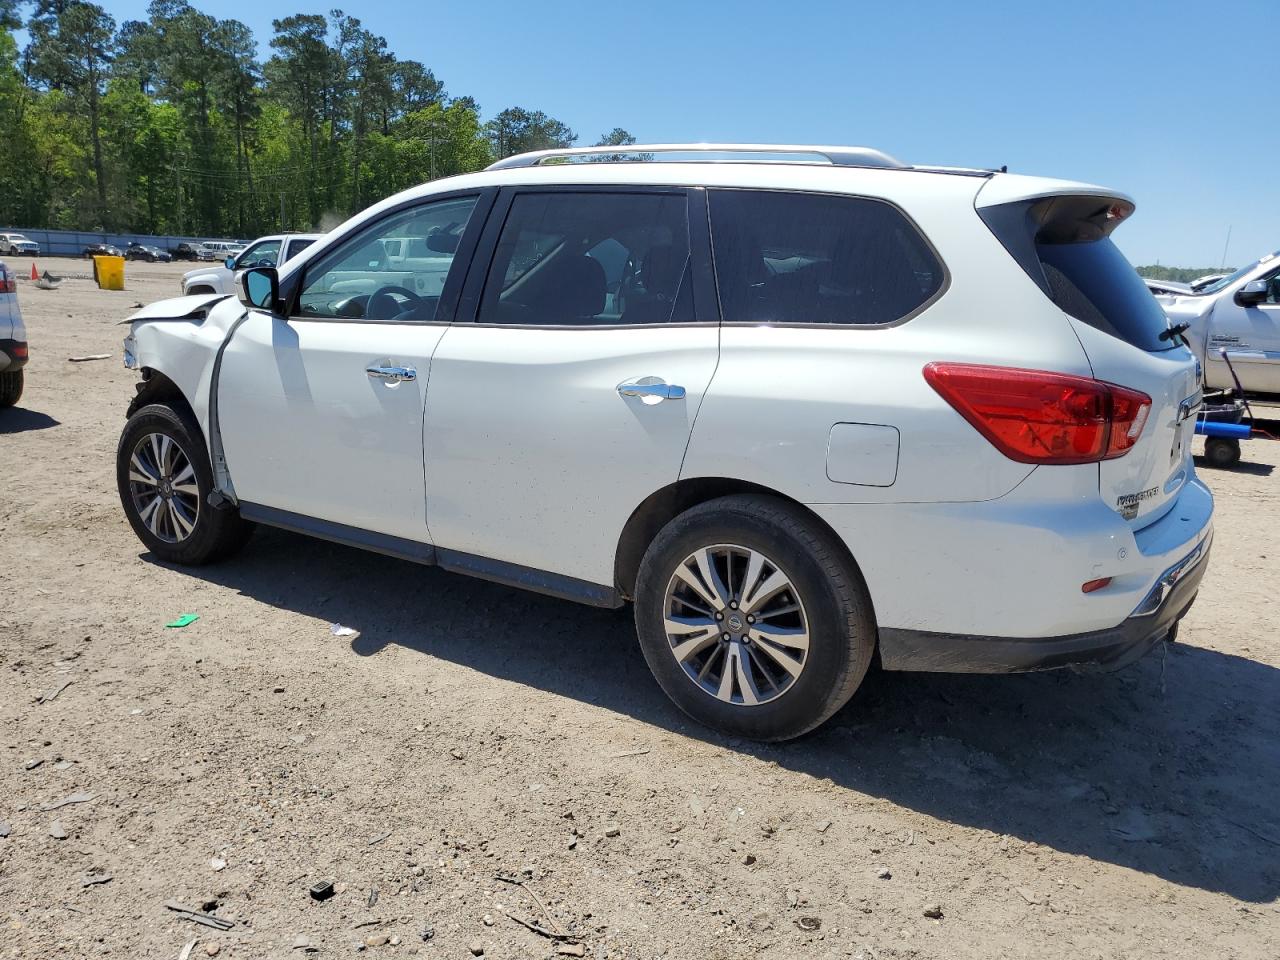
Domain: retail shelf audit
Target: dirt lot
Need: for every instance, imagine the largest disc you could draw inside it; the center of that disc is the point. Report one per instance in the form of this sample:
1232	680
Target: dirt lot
469	731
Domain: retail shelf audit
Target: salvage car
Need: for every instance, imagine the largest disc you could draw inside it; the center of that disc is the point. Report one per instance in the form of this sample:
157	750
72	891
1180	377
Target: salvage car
142	251
806	408
1238	314
100	250
1167	288
13	341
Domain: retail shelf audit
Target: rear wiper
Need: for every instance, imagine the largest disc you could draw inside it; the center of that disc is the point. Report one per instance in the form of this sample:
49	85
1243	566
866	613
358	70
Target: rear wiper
1175	330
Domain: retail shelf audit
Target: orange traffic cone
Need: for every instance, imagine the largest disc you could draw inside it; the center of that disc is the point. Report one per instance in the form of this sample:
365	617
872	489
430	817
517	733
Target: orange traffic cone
34	274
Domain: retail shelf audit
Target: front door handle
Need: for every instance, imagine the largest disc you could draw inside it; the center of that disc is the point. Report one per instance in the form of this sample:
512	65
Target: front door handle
651	390
390	374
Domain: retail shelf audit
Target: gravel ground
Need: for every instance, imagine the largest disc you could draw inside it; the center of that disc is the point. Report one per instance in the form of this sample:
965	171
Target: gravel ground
466	733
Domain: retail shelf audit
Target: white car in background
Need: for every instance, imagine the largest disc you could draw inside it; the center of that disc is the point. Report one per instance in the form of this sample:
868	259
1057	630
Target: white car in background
803	408
218	249
1238	313
1199	283
270	251
1167	288
13	341
16	244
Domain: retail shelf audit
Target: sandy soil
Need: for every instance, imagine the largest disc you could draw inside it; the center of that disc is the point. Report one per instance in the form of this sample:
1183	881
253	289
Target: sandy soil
467	732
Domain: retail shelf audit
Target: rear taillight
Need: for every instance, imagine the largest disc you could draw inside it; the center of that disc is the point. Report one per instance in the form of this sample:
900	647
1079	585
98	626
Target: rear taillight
7	283
1034	416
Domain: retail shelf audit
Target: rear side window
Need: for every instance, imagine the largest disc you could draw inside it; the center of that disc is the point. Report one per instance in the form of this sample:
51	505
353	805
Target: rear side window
815	258
585	259
296	247
1094	283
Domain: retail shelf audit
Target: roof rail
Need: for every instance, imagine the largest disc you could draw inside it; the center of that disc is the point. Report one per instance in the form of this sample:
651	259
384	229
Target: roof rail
837	156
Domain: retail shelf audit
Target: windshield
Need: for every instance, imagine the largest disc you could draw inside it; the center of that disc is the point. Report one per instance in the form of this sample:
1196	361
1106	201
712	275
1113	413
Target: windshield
1238	275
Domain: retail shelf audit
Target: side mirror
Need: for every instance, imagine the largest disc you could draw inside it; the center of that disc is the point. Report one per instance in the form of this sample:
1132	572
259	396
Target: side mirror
260	288
229	263
1252	293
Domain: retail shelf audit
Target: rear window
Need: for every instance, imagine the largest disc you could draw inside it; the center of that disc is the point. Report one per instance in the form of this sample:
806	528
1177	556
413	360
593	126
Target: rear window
1094	283
1063	243
815	258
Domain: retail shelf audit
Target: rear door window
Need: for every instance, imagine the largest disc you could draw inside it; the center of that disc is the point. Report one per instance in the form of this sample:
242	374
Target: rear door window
583	259
816	258
296	247
1093	282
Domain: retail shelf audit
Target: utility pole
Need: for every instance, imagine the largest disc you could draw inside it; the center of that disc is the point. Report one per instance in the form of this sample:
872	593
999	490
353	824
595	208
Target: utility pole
177	186
1223	265
282	211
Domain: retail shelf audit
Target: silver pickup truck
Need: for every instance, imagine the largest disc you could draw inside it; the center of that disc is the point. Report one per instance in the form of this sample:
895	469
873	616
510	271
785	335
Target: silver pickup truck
1240	314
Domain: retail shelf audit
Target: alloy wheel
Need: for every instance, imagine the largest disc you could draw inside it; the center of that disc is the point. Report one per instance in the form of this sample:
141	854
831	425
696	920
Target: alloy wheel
736	624
162	482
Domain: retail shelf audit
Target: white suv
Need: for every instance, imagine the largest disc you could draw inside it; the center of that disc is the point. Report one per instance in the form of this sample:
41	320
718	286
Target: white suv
803	409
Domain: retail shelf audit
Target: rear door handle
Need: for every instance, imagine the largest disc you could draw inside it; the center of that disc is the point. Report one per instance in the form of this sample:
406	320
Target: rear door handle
651	390
389	374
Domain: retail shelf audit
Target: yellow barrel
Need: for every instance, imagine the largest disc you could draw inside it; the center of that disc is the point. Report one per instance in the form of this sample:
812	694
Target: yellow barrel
109	272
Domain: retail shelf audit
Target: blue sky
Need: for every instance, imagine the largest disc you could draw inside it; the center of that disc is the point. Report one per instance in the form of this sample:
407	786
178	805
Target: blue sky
1171	102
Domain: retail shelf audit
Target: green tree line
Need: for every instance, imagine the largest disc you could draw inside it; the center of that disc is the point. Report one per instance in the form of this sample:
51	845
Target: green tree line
177	125
1179	274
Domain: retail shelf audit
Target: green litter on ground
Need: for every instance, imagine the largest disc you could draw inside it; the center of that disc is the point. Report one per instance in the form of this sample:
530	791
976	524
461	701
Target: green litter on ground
184	620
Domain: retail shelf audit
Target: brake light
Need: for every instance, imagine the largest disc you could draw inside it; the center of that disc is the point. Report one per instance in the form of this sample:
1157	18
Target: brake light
7	283
20	352
1035	416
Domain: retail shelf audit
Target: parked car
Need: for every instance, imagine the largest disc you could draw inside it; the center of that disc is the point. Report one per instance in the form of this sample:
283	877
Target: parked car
1238	313
141	251
800	413
186	251
218	249
263	252
1167	288
17	244
100	250
13	341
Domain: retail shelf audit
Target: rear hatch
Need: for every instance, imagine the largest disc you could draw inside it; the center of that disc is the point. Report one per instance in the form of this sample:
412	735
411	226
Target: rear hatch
1063	243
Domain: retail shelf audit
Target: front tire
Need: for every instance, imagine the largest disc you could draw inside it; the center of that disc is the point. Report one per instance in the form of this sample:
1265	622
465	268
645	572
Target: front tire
11	384
164	479
752	618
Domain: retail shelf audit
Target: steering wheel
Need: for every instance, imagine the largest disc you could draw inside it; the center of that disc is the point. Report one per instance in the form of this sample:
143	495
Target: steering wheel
384	299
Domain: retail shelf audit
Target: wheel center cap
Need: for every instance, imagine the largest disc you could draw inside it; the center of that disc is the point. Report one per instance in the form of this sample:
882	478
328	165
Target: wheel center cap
734	622
165	488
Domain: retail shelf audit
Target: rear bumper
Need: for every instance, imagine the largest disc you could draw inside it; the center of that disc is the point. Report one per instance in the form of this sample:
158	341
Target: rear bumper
1152	621
13	355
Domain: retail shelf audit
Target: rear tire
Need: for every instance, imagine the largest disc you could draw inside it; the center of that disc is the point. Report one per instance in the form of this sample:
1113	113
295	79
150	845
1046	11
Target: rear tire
796	652
164	479
11	384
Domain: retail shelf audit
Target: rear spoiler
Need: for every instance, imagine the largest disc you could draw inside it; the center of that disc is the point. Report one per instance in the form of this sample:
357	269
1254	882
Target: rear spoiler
1051	217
